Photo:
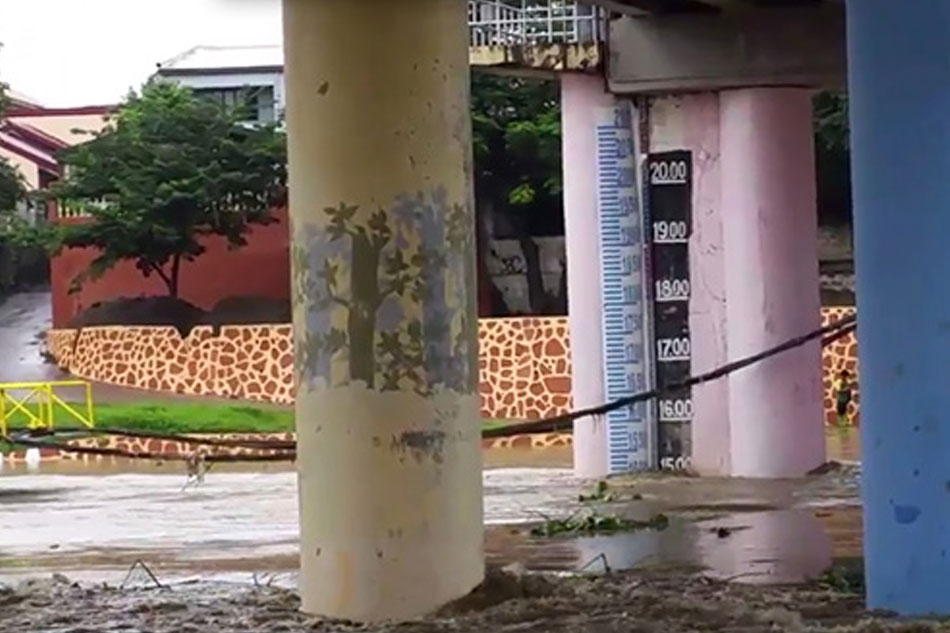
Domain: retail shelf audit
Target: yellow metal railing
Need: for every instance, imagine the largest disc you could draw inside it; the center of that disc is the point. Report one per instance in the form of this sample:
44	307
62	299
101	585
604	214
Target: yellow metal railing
38	403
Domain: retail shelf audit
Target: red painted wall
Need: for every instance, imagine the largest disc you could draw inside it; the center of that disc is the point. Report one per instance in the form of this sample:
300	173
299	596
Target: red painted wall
262	268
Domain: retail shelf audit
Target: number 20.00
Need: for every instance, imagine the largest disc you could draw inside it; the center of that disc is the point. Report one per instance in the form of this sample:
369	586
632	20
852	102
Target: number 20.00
668	172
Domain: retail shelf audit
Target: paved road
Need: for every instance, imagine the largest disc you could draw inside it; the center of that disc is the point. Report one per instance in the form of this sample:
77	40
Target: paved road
24	317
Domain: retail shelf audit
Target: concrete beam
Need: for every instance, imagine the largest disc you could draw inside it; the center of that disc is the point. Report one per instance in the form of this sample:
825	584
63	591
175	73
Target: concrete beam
666	6
803	46
639	7
546	58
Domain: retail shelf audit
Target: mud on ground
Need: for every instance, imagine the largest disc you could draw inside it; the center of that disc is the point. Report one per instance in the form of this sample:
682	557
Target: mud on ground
657	600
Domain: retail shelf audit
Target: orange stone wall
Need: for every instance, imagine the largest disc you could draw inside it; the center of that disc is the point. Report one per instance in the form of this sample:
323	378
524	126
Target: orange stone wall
525	367
842	354
525	370
253	362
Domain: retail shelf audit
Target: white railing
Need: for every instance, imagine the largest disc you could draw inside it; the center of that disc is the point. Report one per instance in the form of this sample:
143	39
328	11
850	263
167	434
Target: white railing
519	22
66	209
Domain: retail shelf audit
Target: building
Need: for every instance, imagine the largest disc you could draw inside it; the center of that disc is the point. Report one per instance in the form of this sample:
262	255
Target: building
31	135
232	75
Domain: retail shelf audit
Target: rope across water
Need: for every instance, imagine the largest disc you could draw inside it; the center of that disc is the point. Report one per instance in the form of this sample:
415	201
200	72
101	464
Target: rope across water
283	450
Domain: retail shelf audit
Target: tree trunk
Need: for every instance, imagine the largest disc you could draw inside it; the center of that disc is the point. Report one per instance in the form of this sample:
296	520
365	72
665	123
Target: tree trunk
537	296
482	249
173	278
364	300
560	302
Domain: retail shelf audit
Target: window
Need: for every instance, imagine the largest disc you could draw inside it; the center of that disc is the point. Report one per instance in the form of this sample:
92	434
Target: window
256	103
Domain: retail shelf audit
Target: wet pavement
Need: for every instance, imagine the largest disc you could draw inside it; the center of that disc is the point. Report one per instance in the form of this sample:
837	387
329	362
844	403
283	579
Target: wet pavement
24	317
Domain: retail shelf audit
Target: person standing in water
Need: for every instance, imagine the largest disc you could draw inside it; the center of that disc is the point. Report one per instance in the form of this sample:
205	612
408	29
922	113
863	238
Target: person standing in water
842	389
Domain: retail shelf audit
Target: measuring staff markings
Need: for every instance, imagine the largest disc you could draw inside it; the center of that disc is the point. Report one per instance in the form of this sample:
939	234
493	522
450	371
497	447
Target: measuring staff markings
669	198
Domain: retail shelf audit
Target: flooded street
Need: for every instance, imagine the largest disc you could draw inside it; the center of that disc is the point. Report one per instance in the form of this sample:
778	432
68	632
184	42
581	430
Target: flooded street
225	551
94	526
91	522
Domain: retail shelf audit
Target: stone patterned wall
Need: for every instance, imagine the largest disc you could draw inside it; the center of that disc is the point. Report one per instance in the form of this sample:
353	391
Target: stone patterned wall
842	354
252	362
525	369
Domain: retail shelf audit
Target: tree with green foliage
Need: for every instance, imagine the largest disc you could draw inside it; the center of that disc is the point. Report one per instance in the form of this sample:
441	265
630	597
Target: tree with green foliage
170	170
12	193
833	158
517	139
11	184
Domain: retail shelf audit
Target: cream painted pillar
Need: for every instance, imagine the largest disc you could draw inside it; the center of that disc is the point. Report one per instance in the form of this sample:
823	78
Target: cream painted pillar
384	305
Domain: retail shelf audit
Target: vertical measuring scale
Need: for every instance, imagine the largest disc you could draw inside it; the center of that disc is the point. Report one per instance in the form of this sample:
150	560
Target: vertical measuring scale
626	368
669	177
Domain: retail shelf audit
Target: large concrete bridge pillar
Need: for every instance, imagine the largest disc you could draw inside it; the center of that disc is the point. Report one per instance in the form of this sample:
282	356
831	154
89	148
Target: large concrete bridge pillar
581	96
770	233
605	276
384	296
900	139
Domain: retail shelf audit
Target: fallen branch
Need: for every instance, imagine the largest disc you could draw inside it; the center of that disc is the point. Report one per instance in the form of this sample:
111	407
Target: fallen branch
141	563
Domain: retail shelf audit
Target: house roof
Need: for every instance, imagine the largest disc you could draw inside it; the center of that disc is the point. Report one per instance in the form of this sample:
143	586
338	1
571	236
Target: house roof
34	135
12	141
224	59
21	101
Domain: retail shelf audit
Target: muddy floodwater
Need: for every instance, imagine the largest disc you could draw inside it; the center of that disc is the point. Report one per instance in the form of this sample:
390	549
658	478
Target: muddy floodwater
91	522
226	549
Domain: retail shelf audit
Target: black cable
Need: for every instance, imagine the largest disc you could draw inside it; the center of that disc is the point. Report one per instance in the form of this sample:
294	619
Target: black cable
20	440
834	331
250	443
286	450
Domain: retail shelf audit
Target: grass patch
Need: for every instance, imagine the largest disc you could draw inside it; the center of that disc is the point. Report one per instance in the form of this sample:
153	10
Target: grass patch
183	418
490	423
845	576
190	417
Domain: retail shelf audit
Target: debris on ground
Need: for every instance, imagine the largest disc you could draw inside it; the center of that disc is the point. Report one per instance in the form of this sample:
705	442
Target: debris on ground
670	600
593	522
600	494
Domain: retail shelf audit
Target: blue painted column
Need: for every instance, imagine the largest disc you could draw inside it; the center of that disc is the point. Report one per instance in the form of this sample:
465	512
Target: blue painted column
899	63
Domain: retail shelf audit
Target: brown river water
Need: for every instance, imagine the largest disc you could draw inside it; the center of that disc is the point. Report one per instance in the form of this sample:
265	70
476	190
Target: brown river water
91	522
225	551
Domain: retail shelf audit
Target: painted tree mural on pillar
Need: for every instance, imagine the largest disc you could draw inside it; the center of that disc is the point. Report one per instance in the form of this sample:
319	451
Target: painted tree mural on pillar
384	296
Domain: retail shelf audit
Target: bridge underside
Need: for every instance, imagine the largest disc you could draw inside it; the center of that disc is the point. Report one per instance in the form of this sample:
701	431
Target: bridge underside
639	7
540	58
380	166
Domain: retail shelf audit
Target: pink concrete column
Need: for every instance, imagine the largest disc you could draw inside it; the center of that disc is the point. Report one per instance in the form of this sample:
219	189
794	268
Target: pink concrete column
771	263
691	122
581	96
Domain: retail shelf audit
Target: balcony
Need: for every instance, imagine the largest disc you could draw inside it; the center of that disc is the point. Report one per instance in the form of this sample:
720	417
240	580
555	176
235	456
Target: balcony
530	22
552	35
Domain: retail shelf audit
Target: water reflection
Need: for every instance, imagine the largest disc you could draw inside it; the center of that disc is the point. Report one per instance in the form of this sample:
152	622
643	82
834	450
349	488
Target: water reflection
775	547
783	546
